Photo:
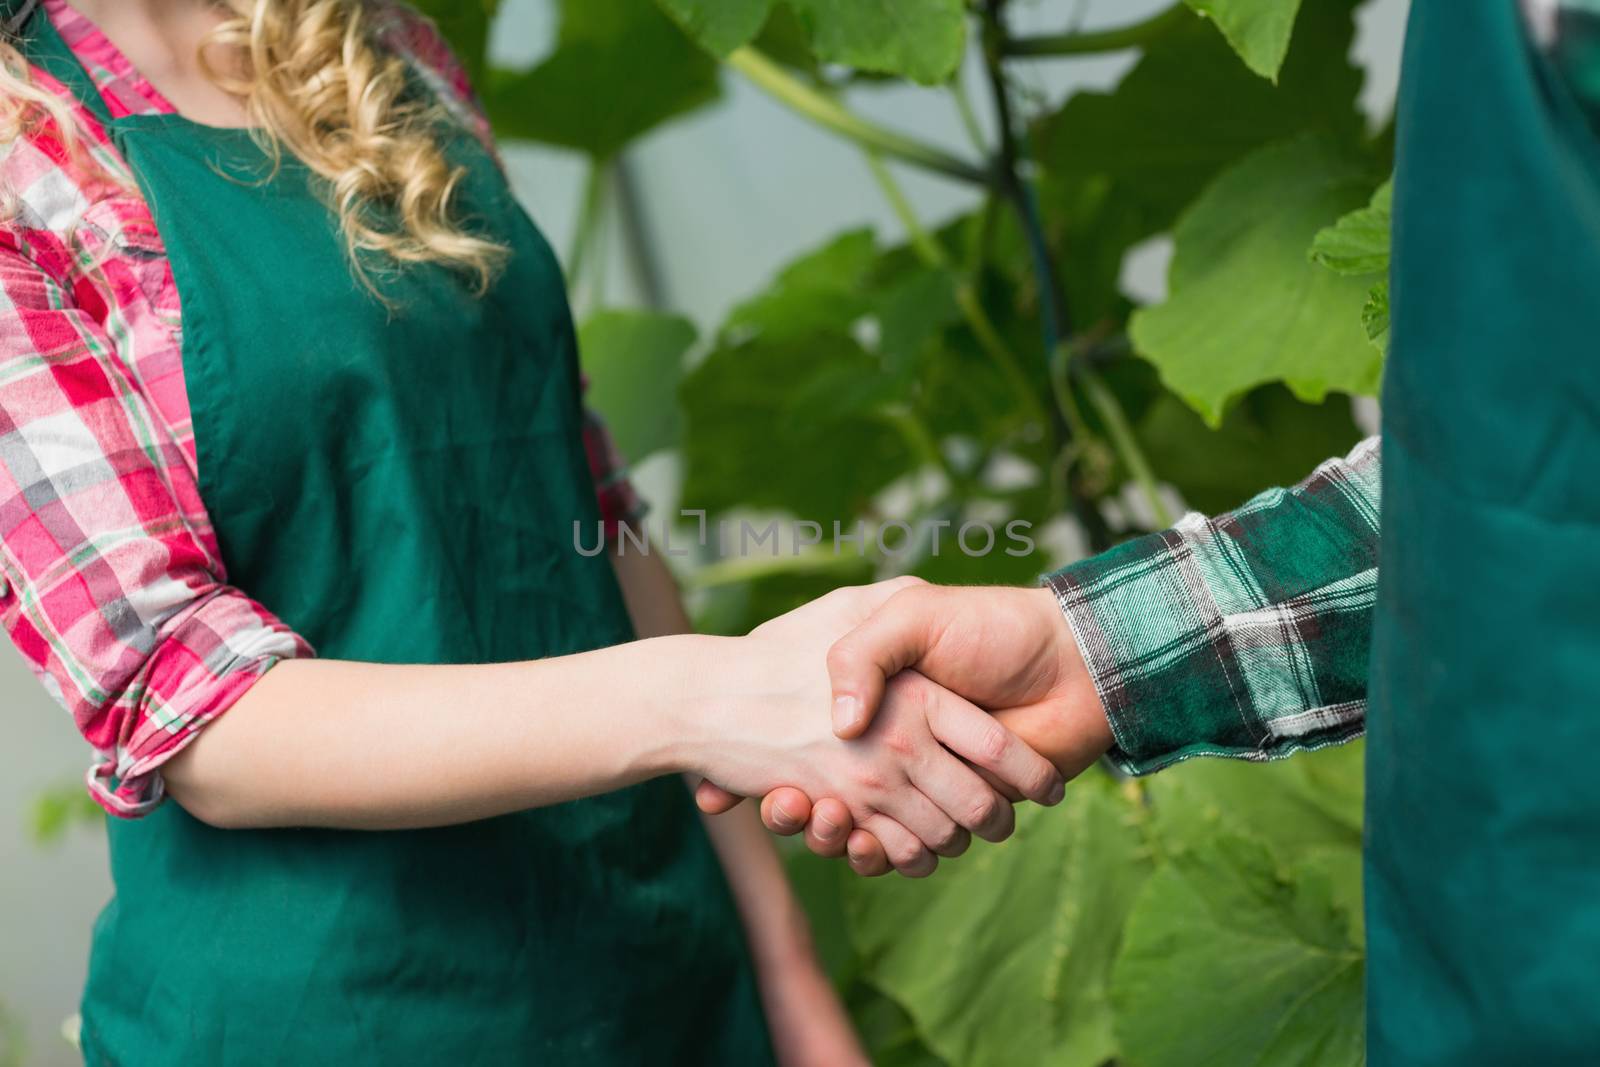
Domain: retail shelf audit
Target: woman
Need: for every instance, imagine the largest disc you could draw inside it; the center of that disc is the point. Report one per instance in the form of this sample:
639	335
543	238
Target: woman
284	368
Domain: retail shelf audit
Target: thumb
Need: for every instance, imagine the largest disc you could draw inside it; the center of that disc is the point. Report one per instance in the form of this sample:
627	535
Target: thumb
860	663
713	799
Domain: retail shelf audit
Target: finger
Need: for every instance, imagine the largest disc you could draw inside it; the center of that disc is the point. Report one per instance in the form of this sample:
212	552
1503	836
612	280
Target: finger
977	737
785	811
713	799
959	791
830	828
862	661
926	818
867	857
998	786
905	851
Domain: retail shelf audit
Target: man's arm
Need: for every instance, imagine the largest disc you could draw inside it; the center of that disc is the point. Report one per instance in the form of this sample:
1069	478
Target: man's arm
1243	635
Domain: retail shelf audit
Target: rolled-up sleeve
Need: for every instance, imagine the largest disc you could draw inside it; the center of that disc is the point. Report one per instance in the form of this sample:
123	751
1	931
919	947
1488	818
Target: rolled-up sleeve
1244	635
110	583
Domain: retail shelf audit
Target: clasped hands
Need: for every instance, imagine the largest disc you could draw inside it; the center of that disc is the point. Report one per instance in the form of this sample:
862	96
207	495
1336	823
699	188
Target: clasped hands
949	705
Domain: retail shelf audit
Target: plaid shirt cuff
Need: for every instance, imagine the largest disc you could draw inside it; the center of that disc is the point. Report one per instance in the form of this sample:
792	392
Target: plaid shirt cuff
1245	635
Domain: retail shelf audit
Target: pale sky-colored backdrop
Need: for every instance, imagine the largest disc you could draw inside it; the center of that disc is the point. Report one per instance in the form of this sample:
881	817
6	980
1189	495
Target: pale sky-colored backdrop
728	195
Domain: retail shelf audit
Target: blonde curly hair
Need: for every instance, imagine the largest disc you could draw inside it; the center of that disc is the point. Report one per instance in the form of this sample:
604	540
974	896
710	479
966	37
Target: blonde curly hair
318	81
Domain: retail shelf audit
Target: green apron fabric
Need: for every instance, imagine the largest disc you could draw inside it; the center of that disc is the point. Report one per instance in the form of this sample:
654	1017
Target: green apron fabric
1483	797
399	485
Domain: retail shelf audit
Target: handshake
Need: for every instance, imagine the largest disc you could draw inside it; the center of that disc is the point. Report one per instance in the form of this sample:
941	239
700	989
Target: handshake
949	705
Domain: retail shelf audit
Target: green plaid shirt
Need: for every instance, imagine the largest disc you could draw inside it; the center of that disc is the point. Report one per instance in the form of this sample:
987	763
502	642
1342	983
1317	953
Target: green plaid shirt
1243	635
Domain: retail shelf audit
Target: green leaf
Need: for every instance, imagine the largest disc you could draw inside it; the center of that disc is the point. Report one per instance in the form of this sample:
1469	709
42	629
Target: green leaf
886	1030
1292	806
1231	961
748	443
1375	315
1267	438
823	290
720	26
784	40
58	810
1246	307
634	360
620	68
1188	109
1258	30
1359	242
913	313
1004	958
921	39
763	429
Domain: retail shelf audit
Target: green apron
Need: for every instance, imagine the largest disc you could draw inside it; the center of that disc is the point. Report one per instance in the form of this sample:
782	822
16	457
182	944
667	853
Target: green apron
399	486
1483	794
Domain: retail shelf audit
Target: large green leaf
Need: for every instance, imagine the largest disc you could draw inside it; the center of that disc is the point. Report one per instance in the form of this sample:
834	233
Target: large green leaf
634	360
1188	109
1267	438
764	427
619	69
719	25
747	443
1230	960
923	40
1293	806
1259	30
1246	306
1004	957
823	290
887	1032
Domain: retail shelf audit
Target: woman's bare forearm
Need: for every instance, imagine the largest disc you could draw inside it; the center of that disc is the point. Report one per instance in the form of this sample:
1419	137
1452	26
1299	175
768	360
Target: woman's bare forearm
807	1020
364	746
370	746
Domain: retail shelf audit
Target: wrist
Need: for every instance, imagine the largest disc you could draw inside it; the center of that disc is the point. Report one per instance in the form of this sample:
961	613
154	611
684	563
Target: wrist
686	684
1069	727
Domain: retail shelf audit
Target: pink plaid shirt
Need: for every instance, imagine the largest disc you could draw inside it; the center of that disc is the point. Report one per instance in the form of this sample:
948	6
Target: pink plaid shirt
111	584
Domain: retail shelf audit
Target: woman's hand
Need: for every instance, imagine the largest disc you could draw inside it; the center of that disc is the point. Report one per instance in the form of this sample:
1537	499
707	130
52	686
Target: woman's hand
903	780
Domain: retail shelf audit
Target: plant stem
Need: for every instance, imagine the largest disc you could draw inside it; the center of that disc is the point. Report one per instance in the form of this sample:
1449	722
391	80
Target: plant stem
969	116
635	229
920	440
824	110
928	250
1054	315
934	254
588	233
1126	444
1133	35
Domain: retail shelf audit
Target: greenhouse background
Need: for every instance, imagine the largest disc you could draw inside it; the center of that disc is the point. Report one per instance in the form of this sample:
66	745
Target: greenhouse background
722	198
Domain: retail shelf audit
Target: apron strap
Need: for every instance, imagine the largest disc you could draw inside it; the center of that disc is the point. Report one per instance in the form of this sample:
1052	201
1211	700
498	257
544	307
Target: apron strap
16	19
31	30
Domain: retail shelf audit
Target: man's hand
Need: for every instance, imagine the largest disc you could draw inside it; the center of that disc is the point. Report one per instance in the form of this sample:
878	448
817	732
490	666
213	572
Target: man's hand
1008	650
